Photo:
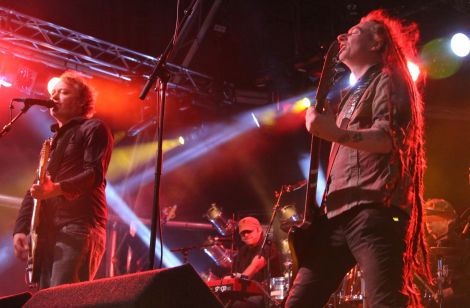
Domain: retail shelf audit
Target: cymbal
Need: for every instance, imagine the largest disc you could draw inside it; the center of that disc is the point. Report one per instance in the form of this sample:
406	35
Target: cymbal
446	251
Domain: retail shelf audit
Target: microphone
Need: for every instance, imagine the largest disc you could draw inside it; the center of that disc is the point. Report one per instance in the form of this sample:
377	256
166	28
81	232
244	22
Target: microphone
34	101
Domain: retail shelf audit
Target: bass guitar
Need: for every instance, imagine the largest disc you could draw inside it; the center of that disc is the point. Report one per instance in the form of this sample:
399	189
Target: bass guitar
32	266
299	236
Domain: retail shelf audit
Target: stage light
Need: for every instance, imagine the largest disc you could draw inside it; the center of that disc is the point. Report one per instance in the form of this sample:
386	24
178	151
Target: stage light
414	70
25	79
121	208
181	140
352	79
51	84
301	105
255	119
4	83
460	45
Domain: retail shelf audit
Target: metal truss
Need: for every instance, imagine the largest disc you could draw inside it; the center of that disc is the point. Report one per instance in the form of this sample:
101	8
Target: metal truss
44	42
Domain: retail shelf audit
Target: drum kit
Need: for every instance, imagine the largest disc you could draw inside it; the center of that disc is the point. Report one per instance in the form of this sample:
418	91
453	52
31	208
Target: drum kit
351	292
277	287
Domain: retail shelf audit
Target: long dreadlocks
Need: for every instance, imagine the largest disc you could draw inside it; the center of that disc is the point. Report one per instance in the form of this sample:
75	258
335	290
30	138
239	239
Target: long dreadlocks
399	42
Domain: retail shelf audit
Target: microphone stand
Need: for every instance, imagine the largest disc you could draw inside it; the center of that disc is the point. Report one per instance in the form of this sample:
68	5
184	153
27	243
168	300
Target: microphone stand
161	72
265	239
7	127
273	214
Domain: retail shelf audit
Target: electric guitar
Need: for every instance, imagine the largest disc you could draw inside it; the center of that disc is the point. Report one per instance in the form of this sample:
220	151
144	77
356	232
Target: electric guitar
32	266
299	235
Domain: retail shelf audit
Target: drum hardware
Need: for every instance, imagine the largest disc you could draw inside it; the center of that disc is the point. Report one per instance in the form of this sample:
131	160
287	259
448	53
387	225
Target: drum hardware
185	251
288	215
352	290
217	252
279	287
429	295
285	249
442	274
215	216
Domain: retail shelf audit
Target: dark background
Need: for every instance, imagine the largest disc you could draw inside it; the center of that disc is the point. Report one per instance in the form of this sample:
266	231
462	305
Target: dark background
272	47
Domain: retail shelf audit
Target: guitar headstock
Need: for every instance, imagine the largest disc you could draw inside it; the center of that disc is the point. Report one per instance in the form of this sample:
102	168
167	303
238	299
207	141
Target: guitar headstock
327	78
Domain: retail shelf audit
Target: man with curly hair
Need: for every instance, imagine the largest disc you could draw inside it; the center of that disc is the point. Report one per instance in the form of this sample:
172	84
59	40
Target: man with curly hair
73	211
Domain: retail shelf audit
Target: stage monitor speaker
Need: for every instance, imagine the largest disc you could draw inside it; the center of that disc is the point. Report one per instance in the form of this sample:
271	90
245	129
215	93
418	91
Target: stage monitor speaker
174	287
15	301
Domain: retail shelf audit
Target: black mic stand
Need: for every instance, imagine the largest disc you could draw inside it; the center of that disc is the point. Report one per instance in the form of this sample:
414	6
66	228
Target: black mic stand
266	236
160	71
7	127
273	214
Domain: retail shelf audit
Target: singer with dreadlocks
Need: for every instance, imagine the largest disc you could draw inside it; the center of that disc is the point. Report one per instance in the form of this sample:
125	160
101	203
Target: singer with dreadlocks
371	213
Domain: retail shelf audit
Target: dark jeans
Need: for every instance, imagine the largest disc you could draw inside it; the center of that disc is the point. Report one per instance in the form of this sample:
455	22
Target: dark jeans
73	254
366	235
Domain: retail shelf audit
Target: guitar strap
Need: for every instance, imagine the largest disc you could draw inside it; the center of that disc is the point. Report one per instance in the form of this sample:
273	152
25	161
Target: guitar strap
352	99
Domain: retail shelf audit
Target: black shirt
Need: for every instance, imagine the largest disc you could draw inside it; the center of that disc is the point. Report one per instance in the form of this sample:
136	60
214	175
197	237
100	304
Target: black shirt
79	159
247	253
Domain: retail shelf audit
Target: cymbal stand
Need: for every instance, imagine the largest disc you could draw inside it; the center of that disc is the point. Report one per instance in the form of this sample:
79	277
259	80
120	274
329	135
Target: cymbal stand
185	251
441	278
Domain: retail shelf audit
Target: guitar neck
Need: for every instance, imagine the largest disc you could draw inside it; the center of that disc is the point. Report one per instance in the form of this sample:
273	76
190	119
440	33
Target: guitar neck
326	82
311	206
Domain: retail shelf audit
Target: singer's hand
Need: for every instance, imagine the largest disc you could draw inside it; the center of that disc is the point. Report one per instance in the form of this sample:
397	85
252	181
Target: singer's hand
46	190
322	125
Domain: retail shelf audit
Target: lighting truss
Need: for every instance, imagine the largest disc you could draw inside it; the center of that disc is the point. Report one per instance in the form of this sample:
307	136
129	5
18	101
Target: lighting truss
39	41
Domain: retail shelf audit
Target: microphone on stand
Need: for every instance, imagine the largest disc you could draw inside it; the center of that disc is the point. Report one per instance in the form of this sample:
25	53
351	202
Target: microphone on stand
34	101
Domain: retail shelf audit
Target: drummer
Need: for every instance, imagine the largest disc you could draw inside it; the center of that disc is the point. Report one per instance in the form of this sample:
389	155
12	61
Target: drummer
251	266
444	243
440	218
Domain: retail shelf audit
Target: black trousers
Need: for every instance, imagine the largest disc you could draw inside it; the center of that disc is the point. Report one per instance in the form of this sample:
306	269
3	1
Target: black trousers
372	236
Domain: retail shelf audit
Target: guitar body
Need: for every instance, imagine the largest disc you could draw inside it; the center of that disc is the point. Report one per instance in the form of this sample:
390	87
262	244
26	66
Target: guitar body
32	265
300	237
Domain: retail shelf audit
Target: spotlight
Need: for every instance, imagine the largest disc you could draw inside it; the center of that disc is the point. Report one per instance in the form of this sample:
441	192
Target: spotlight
51	84
352	79
4	83
255	119
414	70
301	105
460	45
